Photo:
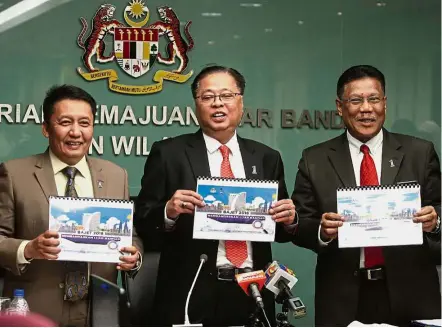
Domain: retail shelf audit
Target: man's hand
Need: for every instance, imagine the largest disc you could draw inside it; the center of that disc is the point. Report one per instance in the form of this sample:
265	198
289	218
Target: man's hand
283	211
183	202
128	262
44	246
428	216
330	222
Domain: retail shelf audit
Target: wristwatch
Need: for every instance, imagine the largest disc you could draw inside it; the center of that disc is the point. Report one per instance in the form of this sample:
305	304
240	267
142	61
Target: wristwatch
138	263
437	228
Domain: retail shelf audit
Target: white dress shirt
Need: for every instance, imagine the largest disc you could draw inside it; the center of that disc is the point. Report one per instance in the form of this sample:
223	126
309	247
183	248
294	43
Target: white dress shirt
237	165
83	186
375	145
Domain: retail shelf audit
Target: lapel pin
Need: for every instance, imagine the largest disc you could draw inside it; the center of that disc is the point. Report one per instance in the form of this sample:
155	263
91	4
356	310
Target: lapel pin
391	163
254	169
100	184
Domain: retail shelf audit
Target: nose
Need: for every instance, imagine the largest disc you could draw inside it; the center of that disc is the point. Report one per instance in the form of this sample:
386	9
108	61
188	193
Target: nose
217	102
366	106
75	130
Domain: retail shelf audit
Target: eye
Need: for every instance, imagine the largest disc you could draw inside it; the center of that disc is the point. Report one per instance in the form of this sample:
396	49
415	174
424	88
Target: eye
207	97
355	101
227	96
85	123
64	122
374	100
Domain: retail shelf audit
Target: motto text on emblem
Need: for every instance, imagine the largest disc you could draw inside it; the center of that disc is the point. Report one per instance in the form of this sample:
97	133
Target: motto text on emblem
135	47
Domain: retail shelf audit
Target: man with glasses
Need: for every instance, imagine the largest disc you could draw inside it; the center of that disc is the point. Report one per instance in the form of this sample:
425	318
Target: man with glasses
374	284
167	201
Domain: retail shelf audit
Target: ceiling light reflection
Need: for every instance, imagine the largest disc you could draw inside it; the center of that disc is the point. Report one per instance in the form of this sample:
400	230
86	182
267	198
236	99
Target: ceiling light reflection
211	14
250	5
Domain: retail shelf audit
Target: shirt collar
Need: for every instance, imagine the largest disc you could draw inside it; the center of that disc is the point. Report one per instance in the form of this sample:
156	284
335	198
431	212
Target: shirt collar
58	165
374	143
213	145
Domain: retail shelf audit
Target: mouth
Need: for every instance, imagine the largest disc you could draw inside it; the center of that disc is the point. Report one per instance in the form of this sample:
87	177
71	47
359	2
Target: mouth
367	120
219	116
73	145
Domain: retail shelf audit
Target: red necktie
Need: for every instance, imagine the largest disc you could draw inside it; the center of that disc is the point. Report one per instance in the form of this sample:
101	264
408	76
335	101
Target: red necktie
236	251
369	177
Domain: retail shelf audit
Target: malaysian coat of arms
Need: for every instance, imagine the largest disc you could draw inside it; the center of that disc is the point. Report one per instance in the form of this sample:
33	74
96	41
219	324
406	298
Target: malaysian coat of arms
136	47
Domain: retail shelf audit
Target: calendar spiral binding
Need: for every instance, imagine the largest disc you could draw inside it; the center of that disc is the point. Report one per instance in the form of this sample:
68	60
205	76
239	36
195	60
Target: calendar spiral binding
99	200
381	187
204	178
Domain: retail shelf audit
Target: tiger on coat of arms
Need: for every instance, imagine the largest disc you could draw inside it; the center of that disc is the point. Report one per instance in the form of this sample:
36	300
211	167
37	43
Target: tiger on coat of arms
177	46
102	24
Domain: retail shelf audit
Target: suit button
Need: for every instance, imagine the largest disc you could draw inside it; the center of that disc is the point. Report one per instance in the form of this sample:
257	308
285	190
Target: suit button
61	285
356	273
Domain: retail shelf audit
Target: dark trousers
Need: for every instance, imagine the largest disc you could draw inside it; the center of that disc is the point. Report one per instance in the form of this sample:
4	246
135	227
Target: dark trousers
232	306
222	304
374	302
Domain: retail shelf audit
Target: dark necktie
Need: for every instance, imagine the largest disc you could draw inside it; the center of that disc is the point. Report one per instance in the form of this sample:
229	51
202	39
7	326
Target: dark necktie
70	172
76	282
236	251
369	177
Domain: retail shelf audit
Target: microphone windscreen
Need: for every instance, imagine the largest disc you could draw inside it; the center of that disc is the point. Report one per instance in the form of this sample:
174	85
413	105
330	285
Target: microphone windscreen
204	257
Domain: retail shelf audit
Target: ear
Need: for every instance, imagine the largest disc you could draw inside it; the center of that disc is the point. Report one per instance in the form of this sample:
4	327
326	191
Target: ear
385	104
338	106
45	129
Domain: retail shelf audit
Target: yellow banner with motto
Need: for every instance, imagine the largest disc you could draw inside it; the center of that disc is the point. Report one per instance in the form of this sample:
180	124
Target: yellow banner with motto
112	77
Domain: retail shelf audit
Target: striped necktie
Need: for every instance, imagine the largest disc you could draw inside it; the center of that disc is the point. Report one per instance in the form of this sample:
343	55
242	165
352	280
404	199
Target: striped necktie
236	251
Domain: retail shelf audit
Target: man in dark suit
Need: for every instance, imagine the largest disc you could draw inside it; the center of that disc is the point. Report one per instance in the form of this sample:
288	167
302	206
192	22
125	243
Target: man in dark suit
167	200
372	285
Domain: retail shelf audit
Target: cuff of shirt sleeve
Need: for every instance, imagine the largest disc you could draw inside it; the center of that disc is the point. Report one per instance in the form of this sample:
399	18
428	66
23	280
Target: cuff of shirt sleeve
21	253
291	228
169	223
321	242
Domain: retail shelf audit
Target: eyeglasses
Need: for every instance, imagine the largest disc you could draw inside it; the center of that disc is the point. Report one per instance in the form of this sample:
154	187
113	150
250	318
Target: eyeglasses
358	101
224	97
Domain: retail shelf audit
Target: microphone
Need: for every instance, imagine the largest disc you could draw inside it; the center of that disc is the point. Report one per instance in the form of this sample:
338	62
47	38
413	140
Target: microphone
203	259
251	283
280	279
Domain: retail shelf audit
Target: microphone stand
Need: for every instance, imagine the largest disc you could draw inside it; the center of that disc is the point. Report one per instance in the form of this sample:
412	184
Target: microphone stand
282	317
255	318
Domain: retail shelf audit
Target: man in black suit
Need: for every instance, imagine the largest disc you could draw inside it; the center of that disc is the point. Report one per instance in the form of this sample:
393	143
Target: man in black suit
167	200
396	284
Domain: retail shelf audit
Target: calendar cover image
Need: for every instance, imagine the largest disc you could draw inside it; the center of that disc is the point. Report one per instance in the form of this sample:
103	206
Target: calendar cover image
91	230
236	209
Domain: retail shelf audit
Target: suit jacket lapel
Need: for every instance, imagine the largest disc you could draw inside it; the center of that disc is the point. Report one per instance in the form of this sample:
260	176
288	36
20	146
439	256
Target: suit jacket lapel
196	152
45	175
98	178
340	158
391	158
252	164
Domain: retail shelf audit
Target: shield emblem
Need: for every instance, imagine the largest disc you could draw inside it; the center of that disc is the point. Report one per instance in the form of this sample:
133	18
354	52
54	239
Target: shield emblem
136	49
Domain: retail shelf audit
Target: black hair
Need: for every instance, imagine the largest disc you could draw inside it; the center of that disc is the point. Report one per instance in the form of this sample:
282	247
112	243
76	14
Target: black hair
58	93
240	81
356	73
